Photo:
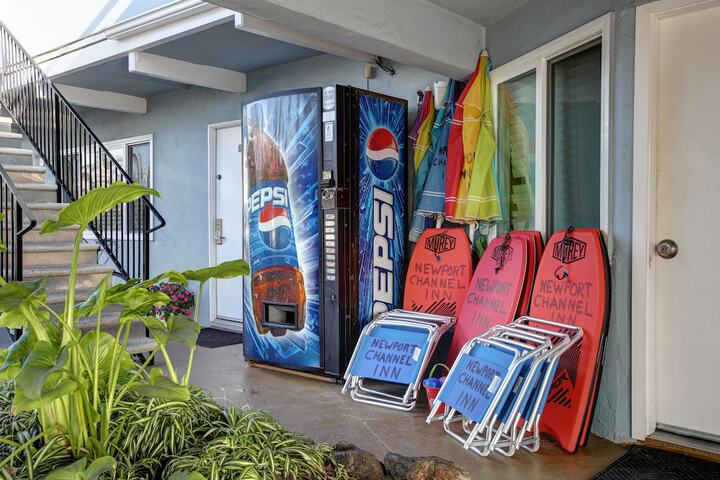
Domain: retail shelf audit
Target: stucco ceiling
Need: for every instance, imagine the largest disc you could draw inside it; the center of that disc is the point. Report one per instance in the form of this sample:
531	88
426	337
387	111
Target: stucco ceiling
220	46
483	12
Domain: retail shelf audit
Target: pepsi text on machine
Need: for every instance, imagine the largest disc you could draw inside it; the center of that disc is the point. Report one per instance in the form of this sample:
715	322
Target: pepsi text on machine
276	276
383	267
382	157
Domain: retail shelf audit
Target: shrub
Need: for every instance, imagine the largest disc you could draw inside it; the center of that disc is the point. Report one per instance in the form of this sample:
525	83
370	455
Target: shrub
182	300
75	405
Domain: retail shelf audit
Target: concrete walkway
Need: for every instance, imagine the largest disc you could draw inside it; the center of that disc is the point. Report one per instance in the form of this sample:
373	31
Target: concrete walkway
318	410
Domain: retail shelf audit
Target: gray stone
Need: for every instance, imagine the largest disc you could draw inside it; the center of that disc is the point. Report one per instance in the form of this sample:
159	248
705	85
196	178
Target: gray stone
400	467
359	463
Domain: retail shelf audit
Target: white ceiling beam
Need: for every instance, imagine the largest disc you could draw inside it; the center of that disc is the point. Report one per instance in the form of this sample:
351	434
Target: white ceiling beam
411	32
258	26
139	36
104	100
166	68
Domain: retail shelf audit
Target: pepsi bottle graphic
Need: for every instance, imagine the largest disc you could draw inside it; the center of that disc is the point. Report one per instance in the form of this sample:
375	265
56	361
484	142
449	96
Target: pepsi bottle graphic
276	278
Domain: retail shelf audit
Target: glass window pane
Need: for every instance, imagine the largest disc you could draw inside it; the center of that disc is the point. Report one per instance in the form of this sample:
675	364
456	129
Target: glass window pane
574	143
139	163
138	167
516	152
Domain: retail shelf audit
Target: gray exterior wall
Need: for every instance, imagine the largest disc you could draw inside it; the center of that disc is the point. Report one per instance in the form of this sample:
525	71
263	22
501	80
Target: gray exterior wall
526	29
179	121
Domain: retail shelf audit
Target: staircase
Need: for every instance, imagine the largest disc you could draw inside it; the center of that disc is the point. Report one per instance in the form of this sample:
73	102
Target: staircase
50	255
49	157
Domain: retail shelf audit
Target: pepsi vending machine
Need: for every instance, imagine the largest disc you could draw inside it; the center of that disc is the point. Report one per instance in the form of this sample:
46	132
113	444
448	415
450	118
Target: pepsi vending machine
325	183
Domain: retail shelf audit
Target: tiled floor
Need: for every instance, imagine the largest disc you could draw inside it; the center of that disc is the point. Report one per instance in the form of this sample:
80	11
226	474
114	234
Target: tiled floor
318	410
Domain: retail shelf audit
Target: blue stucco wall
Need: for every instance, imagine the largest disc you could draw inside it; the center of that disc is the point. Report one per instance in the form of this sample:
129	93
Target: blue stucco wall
526	29
179	121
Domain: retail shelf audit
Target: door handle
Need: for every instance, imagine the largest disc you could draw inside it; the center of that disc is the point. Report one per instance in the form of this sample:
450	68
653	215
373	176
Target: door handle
219	238
667	248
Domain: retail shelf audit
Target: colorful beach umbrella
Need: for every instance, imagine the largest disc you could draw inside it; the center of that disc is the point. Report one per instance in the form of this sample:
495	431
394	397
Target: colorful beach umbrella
431	200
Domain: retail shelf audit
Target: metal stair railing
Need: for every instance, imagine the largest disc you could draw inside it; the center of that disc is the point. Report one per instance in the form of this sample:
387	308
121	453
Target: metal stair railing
76	157
12	227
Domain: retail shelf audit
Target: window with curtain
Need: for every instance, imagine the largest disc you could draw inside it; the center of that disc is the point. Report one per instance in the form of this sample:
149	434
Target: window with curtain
574	139
516	152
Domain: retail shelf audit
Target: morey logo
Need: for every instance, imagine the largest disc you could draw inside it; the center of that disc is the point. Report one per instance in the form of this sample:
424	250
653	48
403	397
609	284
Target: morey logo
502	253
569	250
440	243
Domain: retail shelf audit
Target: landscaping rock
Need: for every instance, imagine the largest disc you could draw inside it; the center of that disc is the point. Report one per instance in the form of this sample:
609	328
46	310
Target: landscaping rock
359	463
400	467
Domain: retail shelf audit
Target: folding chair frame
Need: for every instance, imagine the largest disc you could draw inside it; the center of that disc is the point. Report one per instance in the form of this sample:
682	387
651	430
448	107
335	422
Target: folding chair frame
551	340
434	325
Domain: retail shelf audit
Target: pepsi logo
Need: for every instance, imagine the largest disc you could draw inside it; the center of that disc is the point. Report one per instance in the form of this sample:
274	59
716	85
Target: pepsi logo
382	153
275	227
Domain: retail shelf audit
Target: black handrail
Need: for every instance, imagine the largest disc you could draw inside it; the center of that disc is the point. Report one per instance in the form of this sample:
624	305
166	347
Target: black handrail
14	209
75	156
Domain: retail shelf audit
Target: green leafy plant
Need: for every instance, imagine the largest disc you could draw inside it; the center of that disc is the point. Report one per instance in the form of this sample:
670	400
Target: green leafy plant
81	471
76	382
248	445
75	406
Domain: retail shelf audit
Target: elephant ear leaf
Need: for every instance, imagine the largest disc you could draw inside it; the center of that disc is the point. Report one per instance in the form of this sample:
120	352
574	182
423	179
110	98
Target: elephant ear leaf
183	329
106	345
138	301
177	328
78	471
159	386
15	355
99	467
96	202
14	295
40	379
230	269
74	471
171	276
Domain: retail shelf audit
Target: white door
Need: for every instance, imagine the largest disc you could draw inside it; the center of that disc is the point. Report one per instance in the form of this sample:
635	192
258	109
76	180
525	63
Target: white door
687	297
228	223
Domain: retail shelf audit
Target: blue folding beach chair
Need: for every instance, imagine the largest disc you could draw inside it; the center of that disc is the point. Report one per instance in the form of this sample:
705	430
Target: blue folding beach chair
394	350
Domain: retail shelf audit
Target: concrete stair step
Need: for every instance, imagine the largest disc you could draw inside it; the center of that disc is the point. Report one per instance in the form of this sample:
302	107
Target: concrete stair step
56	298
57	253
11	139
6	124
46	210
64	235
137	345
88	276
16	156
107	321
37	192
21	174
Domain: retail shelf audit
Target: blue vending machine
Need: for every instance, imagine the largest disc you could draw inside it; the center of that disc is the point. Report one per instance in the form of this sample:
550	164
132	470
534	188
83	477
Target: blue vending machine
325	190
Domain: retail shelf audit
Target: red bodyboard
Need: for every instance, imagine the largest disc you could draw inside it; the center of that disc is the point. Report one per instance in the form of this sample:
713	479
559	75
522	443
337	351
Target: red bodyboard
493	293
572	287
534	253
439	272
